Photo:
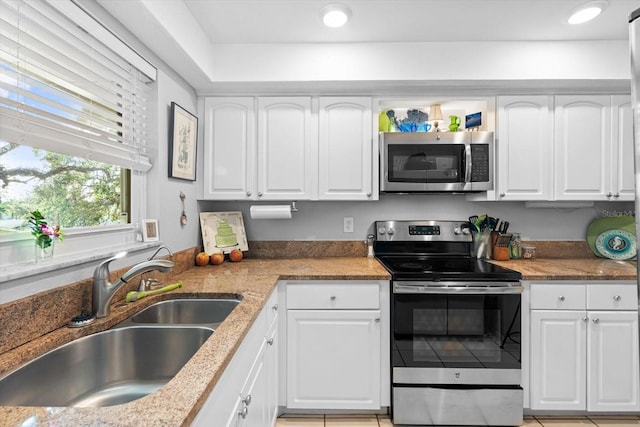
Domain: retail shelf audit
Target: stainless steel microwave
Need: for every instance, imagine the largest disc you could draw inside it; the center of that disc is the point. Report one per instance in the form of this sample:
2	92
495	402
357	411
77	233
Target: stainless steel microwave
414	162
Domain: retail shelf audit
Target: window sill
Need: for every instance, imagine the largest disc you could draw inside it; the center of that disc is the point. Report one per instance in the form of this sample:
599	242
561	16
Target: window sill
21	271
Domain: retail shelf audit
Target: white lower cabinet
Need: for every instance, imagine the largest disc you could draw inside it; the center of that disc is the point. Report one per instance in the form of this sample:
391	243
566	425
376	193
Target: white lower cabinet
584	347
246	394
337	344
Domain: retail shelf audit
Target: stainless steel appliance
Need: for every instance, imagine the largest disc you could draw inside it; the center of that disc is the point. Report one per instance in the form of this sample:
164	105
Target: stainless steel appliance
455	323
413	162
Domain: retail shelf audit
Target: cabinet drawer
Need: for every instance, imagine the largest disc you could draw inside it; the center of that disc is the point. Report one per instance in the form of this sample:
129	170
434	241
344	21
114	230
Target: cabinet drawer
333	296
550	297
612	297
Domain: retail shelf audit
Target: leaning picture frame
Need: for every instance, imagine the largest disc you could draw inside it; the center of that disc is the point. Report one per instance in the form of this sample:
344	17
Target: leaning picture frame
183	138
150	230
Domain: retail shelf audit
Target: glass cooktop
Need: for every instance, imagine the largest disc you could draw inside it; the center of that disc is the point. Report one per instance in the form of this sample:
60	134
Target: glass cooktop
445	268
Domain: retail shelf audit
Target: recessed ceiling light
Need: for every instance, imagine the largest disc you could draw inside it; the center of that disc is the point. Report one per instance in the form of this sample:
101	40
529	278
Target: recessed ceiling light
587	12
335	15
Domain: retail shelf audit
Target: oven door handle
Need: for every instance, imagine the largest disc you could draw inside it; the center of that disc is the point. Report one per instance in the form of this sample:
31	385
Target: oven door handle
477	290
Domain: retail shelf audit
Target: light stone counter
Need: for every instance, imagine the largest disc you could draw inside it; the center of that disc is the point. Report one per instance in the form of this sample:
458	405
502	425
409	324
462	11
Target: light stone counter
572	269
177	403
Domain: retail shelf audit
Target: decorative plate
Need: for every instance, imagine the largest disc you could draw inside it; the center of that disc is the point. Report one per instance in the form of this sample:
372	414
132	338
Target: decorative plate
616	244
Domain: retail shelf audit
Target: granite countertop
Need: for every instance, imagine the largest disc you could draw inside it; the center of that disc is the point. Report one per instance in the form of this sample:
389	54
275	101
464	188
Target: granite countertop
572	268
178	402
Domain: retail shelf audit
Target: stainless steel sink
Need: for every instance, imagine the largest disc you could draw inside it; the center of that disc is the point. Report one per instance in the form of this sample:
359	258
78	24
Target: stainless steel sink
104	369
209	312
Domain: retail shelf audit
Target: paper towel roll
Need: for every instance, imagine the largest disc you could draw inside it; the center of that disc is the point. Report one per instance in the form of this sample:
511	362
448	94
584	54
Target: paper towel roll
271	212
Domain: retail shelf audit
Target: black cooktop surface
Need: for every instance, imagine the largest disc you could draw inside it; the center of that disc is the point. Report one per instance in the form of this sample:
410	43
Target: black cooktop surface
440	268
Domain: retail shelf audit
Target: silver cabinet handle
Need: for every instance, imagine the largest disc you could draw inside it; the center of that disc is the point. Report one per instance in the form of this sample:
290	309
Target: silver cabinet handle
368	194
585	318
259	193
595	320
617	297
332	297
609	194
270	341
616	195
247	400
248	193
561	298
502	194
275	307
243	414
377	320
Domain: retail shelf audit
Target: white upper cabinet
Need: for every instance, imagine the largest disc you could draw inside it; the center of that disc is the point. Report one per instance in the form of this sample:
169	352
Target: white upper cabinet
266	148
525	148
582	149
229	148
566	147
287	149
346	149
622	172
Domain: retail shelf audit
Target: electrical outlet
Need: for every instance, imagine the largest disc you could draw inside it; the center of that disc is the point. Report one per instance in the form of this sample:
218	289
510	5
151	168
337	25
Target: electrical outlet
348	225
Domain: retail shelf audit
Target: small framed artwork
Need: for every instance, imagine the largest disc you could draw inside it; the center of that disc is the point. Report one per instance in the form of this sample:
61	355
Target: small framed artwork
150	230
473	121
223	232
182	143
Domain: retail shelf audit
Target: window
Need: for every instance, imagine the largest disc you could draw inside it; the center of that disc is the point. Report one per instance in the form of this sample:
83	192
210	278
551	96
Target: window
73	116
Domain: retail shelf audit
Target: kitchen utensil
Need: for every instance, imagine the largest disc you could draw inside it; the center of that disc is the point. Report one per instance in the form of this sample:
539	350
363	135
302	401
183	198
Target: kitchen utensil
503	240
183	217
134	295
501	247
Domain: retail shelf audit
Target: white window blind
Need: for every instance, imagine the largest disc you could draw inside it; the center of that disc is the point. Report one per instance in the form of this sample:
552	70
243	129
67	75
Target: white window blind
66	91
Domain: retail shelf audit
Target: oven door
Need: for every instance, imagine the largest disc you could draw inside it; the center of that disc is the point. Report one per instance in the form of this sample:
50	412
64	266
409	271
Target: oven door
456	333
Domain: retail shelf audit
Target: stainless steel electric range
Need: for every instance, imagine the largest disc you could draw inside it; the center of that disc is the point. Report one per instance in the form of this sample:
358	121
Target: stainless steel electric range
455	325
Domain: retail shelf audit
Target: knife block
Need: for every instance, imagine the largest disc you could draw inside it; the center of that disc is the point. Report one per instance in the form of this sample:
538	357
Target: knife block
499	252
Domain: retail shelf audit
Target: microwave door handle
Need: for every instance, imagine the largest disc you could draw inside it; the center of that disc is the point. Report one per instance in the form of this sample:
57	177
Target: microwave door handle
467	163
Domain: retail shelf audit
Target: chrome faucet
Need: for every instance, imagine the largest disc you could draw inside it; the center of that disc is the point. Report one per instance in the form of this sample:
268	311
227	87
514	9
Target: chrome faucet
103	290
150	283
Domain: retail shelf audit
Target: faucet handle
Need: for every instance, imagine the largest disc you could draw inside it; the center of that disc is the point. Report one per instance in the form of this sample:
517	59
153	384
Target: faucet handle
102	271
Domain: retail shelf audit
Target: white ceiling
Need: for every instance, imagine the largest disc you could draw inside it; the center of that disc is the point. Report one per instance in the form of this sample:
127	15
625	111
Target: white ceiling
213	42
298	21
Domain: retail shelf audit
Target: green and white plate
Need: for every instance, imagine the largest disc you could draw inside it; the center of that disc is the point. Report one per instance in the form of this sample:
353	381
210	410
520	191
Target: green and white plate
616	244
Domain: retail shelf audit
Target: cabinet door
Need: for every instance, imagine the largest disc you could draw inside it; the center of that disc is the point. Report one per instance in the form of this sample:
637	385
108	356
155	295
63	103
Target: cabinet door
346	149
525	148
582	152
558	359
612	373
287	149
229	148
622	172
333	359
271	366
255	395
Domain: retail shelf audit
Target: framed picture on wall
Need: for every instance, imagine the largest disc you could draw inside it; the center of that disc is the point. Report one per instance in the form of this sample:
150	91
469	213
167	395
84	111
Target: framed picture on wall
182	143
150	230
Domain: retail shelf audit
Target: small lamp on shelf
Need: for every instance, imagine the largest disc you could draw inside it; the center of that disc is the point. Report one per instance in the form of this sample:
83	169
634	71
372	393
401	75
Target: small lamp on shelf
435	114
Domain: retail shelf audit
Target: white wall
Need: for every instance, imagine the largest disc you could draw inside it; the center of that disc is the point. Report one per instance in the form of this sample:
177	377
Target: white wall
324	220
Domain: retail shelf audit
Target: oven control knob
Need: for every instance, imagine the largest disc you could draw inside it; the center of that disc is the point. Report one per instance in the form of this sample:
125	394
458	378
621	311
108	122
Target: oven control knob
382	230
391	231
461	230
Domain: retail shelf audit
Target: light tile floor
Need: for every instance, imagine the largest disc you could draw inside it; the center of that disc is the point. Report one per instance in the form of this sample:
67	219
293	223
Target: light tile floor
384	421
